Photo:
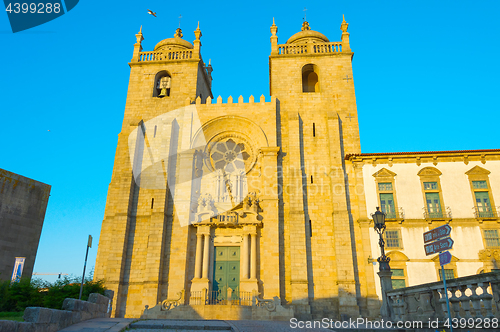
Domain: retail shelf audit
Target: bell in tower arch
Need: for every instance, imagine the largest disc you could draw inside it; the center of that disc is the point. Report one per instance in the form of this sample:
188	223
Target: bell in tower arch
164	86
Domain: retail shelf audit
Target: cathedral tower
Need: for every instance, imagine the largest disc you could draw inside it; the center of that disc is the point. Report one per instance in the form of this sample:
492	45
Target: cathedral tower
312	79
131	249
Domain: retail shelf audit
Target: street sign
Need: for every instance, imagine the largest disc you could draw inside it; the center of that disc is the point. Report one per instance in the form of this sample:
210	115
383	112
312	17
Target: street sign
437	233
444	258
438	246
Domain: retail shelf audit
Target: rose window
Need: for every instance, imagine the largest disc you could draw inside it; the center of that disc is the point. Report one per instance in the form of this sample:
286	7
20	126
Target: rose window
230	156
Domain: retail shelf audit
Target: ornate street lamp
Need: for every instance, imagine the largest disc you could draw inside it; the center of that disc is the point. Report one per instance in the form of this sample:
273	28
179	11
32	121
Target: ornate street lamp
384	268
379	225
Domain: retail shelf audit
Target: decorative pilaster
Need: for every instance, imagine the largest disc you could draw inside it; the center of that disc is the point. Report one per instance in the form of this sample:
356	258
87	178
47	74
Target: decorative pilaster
206	256
197	267
244	256
269	268
253	256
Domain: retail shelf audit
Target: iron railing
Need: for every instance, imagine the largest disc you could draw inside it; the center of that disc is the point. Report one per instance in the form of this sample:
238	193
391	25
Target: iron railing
486	212
395	214
437	213
221	297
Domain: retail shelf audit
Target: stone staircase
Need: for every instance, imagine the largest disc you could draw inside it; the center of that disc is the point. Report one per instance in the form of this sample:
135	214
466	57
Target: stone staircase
180	325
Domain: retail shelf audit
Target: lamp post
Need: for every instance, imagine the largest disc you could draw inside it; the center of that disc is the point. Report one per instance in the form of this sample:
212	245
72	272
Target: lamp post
385	272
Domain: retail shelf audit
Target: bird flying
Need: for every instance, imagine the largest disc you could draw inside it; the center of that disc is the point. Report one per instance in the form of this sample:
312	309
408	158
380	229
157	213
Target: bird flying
151	12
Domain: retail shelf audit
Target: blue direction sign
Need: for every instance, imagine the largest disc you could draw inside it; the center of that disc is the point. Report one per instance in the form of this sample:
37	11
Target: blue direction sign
444	258
437	233
438	246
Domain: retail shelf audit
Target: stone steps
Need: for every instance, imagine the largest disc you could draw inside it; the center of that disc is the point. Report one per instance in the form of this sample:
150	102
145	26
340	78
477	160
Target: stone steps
180	325
169	330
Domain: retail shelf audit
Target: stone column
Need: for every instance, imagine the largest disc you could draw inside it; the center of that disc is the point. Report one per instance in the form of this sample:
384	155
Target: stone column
253	257
244	256
206	256
197	266
202	259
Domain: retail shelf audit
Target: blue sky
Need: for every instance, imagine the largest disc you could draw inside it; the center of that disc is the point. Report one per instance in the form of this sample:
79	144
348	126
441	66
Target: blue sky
426	75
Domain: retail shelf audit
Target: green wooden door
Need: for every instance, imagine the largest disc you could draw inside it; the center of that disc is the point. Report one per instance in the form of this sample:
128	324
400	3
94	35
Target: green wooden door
483	204
433	205
226	269
387	205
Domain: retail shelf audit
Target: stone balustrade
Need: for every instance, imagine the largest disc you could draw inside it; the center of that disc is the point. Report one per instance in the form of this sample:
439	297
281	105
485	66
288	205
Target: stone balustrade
290	49
476	296
165	56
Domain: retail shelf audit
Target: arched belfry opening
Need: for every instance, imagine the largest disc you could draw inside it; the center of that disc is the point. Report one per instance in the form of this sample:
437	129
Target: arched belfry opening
162	84
310	78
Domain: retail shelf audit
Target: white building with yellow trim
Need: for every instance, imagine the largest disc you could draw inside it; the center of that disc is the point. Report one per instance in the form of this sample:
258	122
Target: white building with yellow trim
420	191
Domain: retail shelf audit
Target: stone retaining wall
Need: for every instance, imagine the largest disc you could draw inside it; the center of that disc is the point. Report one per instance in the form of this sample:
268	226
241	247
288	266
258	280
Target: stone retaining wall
38	319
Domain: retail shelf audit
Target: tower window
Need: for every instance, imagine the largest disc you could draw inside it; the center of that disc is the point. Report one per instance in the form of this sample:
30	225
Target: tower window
162	85
312	179
310	78
152	202
314	130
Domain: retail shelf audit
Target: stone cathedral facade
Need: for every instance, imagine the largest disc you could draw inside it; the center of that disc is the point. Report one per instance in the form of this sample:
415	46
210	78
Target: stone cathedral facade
247	194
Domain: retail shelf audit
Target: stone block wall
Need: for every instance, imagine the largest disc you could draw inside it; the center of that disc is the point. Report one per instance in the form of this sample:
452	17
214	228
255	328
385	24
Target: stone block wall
37	319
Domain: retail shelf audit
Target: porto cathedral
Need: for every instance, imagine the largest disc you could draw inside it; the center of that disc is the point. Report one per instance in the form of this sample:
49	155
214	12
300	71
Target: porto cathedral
250	200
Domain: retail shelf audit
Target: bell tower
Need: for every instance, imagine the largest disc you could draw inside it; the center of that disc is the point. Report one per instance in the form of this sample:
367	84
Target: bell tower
312	80
138	215
163	79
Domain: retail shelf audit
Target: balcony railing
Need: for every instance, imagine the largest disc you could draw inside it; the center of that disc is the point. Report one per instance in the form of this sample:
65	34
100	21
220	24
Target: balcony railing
165	55
472	297
287	49
437	214
395	214
486	212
